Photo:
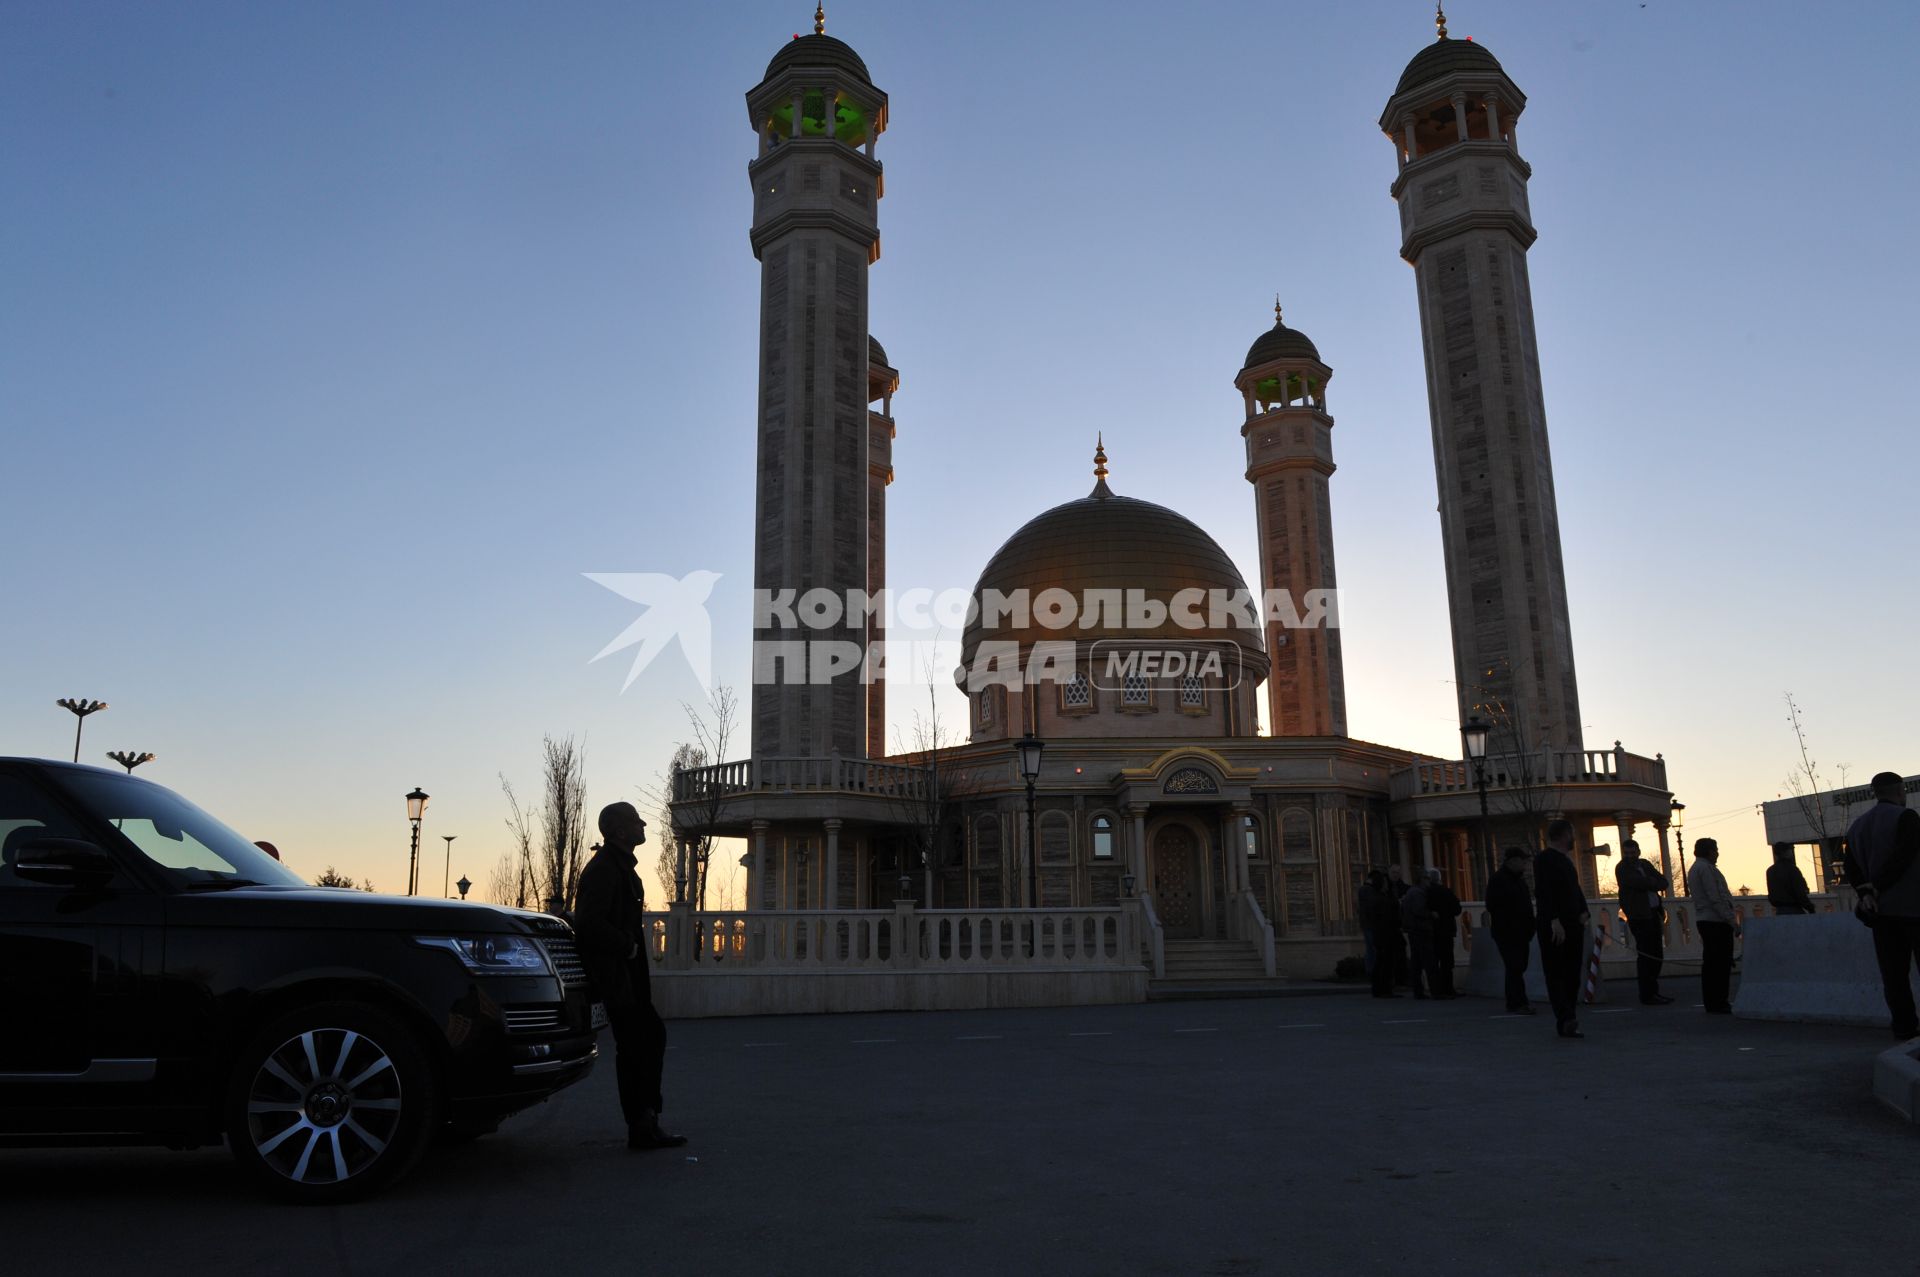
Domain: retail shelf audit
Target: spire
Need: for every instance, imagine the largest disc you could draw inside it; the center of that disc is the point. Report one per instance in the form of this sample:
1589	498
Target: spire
1100	489
1440	20
820	19
1276	310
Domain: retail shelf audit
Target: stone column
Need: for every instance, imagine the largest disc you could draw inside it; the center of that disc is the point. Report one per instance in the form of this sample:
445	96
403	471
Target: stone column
1237	847
1411	153
1665	866
757	876
830	889
1403	839
1623	822
1137	846
1460	114
1426	843
799	105
1493	118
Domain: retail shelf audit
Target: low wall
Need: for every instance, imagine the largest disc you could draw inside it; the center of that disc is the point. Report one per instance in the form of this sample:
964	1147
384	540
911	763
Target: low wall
696	994
1313	957
1896	1079
1816	968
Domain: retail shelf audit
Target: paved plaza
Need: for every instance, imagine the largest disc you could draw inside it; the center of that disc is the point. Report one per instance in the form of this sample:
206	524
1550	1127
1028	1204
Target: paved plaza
1284	1135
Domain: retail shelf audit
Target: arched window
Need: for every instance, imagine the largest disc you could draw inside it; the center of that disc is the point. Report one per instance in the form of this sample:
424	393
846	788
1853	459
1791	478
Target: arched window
1192	691
1133	690
1103	838
1250	835
1076	692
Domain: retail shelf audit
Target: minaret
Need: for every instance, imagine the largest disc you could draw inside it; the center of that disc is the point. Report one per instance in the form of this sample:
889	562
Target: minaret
1289	459
882	381
1462	191
815	231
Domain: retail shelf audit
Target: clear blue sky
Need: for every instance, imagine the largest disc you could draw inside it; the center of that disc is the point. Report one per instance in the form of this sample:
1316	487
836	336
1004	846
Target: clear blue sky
338	341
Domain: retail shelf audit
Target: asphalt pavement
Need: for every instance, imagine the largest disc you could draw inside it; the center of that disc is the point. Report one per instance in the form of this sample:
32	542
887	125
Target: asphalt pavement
1291	1135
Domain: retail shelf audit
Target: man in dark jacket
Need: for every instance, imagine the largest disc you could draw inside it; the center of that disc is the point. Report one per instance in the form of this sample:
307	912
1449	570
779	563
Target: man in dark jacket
1883	865
1445	908
1380	915
1640	887
1561	916
1510	919
1786	886
1417	921
611	923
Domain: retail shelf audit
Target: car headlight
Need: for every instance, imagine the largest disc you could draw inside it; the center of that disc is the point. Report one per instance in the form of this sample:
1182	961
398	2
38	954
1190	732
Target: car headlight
492	955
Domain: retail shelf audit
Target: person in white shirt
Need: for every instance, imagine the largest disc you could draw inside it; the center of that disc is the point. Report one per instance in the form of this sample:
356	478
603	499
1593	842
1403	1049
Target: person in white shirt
1713	915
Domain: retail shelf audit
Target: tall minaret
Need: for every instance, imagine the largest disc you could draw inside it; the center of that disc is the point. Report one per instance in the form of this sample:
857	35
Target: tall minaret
1289	459
882	381
815	231
1464	226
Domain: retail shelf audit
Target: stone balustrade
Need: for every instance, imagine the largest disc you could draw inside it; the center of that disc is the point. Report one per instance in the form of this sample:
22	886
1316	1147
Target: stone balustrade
1540	768
901	938
831	774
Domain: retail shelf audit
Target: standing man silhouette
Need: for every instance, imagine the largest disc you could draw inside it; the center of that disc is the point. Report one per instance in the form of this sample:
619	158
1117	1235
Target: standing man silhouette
1640	887
611	923
1562	919
1883	864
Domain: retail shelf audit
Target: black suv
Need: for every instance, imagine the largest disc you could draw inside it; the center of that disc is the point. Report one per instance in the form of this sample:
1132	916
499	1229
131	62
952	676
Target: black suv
163	980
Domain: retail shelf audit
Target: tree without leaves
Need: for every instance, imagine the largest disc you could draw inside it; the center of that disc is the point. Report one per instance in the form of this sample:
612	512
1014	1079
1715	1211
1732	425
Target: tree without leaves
1805	784
713	729
928	813
513	876
563	823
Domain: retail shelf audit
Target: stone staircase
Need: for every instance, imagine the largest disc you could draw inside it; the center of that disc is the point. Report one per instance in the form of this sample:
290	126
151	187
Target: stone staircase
1213	969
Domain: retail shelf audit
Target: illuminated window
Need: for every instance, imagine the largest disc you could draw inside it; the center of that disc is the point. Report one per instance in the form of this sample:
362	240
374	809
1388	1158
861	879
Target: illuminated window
1103	838
1250	834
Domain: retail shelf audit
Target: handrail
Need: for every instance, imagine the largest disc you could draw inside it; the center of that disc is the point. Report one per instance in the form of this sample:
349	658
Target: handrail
1156	937
1254	925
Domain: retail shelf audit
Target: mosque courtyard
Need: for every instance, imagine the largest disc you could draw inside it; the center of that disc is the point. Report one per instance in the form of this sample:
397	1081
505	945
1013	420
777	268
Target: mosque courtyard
1311	1134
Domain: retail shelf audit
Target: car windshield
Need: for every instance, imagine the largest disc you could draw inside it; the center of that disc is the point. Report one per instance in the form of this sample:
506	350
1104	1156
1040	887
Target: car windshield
193	847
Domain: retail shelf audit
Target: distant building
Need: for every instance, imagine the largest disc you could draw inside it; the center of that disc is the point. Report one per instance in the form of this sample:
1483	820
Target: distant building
1821	821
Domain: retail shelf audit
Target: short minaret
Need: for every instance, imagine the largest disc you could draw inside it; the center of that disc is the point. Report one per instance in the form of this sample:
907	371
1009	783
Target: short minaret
1289	459
1465	228
815	230
883	380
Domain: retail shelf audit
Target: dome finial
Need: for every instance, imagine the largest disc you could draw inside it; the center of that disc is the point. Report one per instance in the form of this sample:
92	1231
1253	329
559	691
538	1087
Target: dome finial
820	19
1100	488
1440	20
1276	310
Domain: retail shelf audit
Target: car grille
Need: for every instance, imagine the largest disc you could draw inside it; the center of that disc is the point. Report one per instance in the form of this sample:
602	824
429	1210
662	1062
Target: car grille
566	960
532	1019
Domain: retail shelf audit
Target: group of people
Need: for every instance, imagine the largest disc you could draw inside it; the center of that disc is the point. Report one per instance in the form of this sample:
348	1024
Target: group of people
1409	929
1882	865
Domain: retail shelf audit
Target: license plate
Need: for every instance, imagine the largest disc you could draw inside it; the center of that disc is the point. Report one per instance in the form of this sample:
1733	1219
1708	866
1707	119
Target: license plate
599	1016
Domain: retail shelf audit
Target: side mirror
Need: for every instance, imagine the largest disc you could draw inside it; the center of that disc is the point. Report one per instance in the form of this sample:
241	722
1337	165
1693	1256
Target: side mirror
64	862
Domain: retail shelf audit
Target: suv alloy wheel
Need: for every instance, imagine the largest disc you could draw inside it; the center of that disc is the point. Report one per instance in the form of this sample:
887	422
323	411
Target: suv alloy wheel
330	1102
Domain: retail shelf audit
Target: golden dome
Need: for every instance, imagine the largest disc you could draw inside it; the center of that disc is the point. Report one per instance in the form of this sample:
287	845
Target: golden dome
1111	544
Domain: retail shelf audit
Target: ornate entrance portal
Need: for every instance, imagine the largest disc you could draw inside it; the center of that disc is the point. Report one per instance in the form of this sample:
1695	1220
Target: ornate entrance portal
1176	881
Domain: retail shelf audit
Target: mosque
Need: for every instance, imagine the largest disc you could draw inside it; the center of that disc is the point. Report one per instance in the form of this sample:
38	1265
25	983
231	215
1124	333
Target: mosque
1153	779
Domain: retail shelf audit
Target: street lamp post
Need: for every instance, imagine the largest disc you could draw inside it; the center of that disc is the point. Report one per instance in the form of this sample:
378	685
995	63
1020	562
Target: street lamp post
1030	747
79	707
1680	840
447	867
128	759
1473	735
416	808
